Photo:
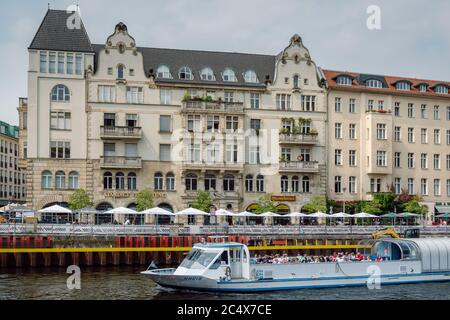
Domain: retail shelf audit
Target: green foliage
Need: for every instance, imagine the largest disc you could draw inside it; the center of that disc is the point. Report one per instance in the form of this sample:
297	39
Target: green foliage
203	201
385	201
144	200
265	204
79	200
372	207
318	203
415	207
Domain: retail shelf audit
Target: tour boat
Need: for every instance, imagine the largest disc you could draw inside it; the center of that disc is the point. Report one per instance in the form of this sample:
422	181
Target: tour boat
228	267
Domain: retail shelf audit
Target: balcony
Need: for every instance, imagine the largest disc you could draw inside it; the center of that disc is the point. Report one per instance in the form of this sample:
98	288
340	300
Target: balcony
212	166
212	107
127	133
296	166
121	163
299	139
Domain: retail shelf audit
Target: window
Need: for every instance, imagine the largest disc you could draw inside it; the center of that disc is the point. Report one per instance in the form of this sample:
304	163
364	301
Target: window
410	110
260	183
338	184
228	183
255	100
132	73
424	161
380	105
59	150
60	93
109	120
338	130
60	121
411	135
212	123
249	183
374	83
210	182
370	105
283	101
437	187
436	113
60	180
424	187
411	162
448	188
120	72
308	103
229	76
135	95
423	111
163	72
52	62
61	62
352	185
109	150
159	181
344	80
69	66
437	136
79	63
229	97
397	134
120	181
411	189
397	109
165	96
441	89
170	182
165	124
424	135
194	123
232	123
381	159
106	93
254	155
131	150
251	77
338	157
375	185
191	182
352	131
398	186
284	184
108	181
232	153
448	113
306	185
194	153
165	152
212	153
337	105
286	154
46	180
295	184
352	158
381	131
132	181
448	162
296	82
403	85
437	161
43	62
207	75
423	87
352	106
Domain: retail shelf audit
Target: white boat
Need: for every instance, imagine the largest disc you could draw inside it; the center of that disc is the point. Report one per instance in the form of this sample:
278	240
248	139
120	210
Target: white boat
227	267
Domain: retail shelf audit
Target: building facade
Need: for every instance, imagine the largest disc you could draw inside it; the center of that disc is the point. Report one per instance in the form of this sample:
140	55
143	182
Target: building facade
116	118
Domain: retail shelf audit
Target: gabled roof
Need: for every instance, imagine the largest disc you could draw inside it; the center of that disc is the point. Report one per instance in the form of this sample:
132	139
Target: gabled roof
54	34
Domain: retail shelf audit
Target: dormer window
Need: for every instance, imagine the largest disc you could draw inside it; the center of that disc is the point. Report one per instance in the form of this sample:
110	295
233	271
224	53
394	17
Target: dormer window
374	83
207	75
441	89
229	76
120	72
163	72
251	77
403	85
344	80
186	73
423	87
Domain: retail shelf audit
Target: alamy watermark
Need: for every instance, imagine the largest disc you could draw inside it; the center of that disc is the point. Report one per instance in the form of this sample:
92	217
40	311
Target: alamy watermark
374	19
74	20
374	281
74	280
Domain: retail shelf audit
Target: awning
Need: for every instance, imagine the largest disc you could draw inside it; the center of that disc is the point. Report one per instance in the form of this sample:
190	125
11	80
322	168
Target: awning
443	210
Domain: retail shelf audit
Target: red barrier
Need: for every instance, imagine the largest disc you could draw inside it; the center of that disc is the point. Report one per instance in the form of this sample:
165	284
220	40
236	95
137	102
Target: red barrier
22	242
41	240
49	242
165	242
8	242
28	242
118	242
14	242
142	242
130	242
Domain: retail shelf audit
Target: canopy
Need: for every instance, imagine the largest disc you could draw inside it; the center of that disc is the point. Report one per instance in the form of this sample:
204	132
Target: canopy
247	214
340	215
296	215
445	216
192	212
270	214
390	215
56	209
158	212
89	211
364	215
319	215
443	210
408	215
121	211
9	207
224	213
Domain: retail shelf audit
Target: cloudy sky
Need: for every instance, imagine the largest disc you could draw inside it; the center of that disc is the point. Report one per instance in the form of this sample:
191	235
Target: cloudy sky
414	39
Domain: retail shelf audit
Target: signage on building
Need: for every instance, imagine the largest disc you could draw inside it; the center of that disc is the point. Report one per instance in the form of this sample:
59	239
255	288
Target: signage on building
284	198
119	195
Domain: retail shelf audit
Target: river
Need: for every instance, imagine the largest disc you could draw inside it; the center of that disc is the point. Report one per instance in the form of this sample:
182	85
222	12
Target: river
125	283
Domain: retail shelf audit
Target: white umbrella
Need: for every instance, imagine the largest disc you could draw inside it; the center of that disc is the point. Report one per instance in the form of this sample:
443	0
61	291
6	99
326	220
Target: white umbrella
296	215
341	215
224	213
319	215
247	214
158	212
364	215
55	209
270	214
121	211
192	212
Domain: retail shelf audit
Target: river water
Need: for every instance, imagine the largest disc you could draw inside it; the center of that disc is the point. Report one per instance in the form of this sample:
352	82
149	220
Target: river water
126	283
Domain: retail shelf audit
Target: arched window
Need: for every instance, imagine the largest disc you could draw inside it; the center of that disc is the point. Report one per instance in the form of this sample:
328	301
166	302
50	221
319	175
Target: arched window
191	182
104	206
251	77
295	184
207	75
210	182
284	184
344	81
260	183
373	83
228	183
73	180
186	73
163	72
249	183
306	185
46	180
296	81
107	181
60	180
120	181
170	182
120	71
60	93
132	181
403	86
441	89
159	181
229	75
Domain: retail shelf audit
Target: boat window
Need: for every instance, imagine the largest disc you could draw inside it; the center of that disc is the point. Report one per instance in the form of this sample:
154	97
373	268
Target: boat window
198	259
245	257
409	251
220	261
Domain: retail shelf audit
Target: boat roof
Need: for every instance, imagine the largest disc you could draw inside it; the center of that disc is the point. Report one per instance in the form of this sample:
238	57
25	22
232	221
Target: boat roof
218	245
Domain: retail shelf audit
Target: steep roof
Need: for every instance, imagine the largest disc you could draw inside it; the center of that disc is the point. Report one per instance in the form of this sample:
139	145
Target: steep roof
54	34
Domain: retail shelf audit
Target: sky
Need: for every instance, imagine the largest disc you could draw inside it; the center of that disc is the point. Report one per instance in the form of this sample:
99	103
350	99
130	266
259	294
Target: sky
413	39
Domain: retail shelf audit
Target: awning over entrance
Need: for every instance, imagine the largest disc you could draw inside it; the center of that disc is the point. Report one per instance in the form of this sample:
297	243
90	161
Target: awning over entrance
443	210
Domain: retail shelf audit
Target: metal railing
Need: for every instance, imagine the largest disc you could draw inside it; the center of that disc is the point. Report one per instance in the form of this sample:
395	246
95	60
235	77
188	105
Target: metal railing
121	132
213	106
299	138
121	162
299	166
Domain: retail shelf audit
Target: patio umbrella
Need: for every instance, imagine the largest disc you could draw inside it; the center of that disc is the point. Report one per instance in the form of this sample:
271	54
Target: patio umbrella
445	216
87	211
270	215
247	214
408	215
224	213
296	215
192	212
319	215
123	211
158	212
56	210
390	215
364	215
341	215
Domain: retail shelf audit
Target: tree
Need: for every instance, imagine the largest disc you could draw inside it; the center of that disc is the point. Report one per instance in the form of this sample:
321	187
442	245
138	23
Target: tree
144	200
373	207
415	207
385	201
265	204
203	201
79	200
317	204
404	197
